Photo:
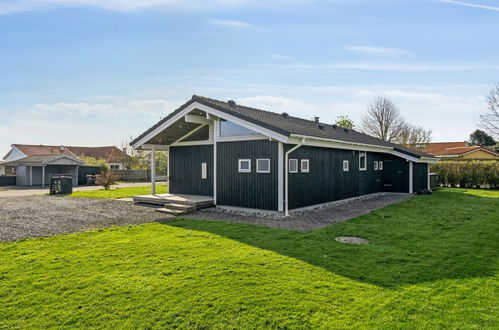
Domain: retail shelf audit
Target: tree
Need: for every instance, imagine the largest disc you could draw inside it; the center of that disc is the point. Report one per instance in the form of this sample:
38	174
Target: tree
383	120
132	159
414	136
345	122
490	120
481	138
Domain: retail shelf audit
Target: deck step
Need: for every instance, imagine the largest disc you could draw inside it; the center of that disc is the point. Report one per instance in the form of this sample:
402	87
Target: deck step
181	207
171	211
165	199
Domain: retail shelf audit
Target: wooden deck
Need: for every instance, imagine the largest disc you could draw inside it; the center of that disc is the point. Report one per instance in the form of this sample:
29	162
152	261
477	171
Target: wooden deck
164	199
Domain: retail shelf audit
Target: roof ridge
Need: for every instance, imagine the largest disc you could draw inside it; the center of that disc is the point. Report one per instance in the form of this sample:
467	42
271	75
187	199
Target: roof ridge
274	113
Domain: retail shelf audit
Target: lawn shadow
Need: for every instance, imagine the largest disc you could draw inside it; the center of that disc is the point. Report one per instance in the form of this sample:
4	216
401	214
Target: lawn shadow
449	235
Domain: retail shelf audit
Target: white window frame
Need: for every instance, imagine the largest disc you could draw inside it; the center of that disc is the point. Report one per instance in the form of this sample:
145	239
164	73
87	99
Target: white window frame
302	169
241	170
360	163
380	166
204	171
289	165
347	167
260	171
375	165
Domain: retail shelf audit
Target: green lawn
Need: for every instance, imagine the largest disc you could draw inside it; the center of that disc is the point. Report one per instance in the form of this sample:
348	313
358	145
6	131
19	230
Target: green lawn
432	263
120	192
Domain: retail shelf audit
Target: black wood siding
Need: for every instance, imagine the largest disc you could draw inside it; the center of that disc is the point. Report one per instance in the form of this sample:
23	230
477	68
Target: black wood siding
420	176
396	174
185	170
327	181
251	190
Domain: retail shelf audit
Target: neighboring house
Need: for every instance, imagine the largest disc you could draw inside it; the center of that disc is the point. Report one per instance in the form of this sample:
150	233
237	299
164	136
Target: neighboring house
111	154
36	170
33	164
459	151
249	158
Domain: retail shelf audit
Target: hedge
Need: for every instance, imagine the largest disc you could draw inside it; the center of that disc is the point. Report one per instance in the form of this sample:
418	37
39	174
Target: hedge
467	174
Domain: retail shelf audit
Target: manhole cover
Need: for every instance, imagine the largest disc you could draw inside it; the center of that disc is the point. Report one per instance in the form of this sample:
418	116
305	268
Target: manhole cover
351	240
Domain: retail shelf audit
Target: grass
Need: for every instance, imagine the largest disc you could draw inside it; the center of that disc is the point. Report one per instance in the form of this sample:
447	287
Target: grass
120	192
432	262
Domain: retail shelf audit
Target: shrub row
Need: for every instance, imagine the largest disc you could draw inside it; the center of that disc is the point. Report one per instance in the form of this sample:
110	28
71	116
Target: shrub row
468	174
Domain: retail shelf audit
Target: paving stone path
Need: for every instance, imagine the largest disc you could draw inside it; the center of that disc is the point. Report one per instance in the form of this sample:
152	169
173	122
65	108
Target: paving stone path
313	220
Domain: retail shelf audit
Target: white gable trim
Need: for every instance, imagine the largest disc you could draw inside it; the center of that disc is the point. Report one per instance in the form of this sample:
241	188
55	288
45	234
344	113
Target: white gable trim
479	149
14	150
215	112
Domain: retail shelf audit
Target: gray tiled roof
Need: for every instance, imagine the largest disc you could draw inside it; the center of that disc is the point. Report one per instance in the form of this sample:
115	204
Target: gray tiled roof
288	125
42	159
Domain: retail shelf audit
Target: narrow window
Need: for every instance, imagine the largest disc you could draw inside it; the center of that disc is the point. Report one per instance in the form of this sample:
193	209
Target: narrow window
204	171
375	165
345	166
263	166
362	161
244	165
380	166
304	166
293	166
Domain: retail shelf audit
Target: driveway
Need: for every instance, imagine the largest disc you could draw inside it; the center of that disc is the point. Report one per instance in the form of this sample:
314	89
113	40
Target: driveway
15	191
23	217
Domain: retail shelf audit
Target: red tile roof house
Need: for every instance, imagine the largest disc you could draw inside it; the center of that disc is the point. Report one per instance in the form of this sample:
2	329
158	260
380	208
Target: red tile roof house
458	150
34	163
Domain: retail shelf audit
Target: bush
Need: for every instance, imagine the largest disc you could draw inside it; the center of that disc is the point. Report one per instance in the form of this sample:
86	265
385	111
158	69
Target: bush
467	174
106	179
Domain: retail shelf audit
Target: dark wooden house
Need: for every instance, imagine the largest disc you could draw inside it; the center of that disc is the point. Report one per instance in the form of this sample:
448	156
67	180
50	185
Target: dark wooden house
250	158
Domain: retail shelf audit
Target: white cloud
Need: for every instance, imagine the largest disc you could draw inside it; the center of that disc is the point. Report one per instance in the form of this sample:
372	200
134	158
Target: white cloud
473	5
281	57
233	23
404	67
153	108
15	6
377	50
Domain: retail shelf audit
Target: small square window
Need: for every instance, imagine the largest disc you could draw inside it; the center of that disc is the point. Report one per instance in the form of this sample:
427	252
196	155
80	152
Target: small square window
244	166
263	166
362	161
293	166
380	166
375	165
305	166
345	166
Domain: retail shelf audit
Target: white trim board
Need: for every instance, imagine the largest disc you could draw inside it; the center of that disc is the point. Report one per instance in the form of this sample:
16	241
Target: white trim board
212	111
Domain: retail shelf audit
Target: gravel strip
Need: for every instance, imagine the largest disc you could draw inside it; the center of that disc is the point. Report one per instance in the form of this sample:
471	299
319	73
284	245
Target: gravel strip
42	216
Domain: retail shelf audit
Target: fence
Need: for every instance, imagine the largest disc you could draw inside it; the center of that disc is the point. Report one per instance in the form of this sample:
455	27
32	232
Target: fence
132	175
83	171
7	180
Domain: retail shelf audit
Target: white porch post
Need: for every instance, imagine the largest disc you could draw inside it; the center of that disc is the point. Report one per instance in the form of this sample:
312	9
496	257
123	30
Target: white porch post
280	177
411	177
429	181
43	176
216	133
153	171
31	175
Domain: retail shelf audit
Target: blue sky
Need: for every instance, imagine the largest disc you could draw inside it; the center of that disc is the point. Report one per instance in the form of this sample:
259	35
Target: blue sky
95	72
